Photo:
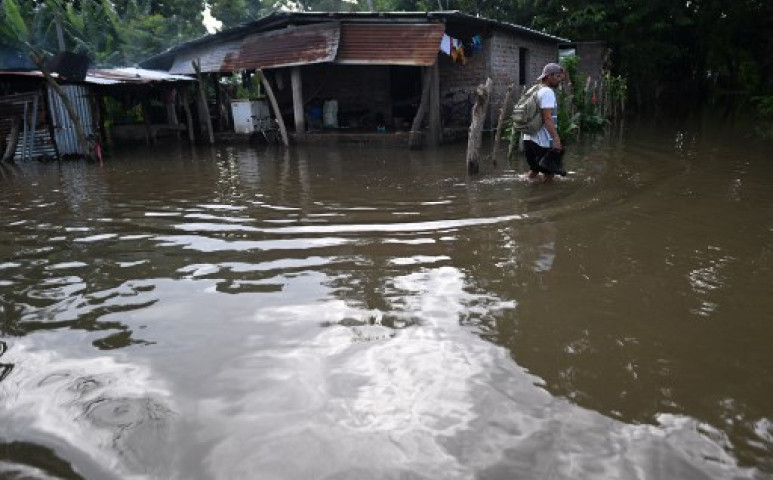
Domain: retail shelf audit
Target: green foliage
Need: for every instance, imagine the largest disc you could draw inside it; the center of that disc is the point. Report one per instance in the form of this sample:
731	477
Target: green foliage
13	25
579	109
234	12
663	46
764	106
239	90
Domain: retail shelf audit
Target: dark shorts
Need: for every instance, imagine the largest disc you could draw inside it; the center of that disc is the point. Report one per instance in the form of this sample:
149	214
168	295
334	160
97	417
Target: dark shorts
544	160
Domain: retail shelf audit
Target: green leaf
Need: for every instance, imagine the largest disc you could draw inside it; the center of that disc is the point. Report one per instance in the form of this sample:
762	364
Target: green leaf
13	19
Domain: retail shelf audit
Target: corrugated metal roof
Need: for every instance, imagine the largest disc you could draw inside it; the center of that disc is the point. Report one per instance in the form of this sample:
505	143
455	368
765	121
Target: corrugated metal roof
454	20
213	58
290	46
389	44
113	76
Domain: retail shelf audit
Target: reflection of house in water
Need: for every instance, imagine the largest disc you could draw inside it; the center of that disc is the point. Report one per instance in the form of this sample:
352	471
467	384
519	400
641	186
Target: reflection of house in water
336	75
113	104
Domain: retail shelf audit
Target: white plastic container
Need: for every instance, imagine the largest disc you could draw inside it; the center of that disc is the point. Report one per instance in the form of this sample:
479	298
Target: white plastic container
248	113
242	113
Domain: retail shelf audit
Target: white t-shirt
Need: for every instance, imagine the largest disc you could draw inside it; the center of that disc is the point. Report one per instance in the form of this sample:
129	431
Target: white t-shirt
546	98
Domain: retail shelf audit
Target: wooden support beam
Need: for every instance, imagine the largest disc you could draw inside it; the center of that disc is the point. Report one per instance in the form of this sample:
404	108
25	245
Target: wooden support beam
13	140
414	139
300	121
203	107
149	137
188	116
475	137
435	129
275	106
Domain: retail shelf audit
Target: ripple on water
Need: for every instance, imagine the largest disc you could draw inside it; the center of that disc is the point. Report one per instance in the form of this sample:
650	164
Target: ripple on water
114	414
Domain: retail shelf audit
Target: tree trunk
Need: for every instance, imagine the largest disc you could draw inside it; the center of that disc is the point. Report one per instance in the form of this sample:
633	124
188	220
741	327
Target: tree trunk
501	123
476	126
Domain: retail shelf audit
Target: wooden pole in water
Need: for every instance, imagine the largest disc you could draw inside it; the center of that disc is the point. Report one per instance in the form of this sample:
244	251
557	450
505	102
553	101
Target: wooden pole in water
203	100
515	137
501	123
275	106
435	127
13	140
475	137
188	116
149	138
414	138
297	86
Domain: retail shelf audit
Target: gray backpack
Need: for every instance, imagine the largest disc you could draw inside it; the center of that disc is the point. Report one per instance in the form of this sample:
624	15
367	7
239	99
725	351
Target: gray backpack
527	117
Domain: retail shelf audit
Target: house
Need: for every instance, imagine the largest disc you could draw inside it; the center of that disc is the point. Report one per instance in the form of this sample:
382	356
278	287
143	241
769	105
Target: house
34	122
340	74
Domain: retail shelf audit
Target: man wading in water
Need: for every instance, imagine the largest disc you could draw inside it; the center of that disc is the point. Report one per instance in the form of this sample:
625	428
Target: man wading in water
543	150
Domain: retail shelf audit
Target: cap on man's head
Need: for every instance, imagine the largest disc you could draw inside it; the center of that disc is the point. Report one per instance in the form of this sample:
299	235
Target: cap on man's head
550	69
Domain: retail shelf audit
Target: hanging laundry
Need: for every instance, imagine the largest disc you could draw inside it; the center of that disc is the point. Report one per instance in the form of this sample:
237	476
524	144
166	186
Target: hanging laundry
445	44
477	43
457	55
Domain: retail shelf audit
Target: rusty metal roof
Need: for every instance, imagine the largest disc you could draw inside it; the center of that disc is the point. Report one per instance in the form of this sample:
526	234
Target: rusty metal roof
389	44
213	58
457	25
291	46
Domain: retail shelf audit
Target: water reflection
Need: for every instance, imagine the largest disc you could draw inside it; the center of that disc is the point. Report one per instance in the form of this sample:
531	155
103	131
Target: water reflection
106	417
350	313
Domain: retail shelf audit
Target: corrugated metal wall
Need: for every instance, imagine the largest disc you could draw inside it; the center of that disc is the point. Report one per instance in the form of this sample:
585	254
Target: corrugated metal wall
64	129
34	140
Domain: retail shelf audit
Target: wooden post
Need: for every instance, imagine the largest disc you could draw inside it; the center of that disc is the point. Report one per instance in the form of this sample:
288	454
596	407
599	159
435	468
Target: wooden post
203	101
501	123
515	137
414	139
188	117
103	134
218	101
275	106
300	124
149	137
435	130
475	136
13	140
51	132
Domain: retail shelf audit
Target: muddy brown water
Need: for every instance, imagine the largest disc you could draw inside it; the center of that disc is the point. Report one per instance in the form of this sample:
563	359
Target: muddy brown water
363	312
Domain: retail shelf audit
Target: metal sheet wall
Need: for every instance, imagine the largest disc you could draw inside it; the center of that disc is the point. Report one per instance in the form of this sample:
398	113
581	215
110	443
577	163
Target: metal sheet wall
64	129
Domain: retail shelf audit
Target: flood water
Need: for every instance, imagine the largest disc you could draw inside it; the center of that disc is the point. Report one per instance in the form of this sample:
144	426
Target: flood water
365	312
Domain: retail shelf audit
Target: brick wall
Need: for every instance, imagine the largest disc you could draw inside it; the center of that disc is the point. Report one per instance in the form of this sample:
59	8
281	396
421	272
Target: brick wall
505	66
498	60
